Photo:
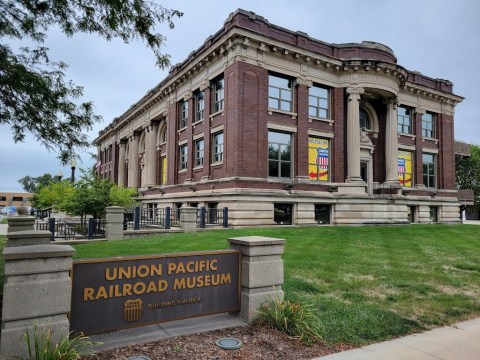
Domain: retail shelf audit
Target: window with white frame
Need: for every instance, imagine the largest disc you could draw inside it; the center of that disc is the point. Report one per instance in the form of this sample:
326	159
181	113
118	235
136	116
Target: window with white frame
199	152
280	93
199	105
404	120
218	94
183	157
428	125
429	170
183	114
365	121
217	147
318	102
279	154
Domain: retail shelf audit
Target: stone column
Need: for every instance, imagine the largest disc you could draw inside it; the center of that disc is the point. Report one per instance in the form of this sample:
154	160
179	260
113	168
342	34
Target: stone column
37	292
188	219
121	163
133	162
114	223
150	161
262	272
391	144
353	135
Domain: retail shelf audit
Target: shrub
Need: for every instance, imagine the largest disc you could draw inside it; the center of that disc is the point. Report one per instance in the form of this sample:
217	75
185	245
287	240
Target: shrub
41	347
297	320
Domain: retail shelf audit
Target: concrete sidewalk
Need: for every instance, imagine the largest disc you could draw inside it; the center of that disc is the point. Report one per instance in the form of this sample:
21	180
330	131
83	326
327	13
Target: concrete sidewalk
456	342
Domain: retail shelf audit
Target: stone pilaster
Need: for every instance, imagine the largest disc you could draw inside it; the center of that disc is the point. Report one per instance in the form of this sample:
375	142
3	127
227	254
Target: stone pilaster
133	162
353	134
262	272
121	163
391	144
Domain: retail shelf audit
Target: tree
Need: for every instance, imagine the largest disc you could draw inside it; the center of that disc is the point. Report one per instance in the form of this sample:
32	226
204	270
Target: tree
468	173
34	184
35	97
56	195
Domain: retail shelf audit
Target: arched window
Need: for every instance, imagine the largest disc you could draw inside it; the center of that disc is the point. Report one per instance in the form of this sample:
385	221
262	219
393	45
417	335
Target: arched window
365	121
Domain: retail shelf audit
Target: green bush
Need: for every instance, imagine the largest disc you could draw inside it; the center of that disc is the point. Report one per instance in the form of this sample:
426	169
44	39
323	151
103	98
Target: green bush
41	347
299	321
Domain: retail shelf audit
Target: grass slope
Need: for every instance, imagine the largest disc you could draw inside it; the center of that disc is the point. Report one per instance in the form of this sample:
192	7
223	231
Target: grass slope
368	283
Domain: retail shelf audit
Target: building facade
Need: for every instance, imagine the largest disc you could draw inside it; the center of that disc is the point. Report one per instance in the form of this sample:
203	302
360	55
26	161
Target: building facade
14	199
282	128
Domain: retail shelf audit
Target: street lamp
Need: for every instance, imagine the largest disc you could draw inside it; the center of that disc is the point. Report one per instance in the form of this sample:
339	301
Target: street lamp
59	176
73	165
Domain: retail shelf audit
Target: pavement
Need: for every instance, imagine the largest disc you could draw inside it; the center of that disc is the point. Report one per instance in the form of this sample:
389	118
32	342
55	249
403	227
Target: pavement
456	342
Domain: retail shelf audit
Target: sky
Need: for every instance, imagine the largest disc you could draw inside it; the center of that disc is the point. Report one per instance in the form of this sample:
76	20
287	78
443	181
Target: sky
439	38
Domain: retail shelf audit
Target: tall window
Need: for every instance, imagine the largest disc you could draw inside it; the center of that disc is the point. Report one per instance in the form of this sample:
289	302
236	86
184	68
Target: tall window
219	94
404	168
318	102
199	152
365	122
428	125
163	135
428	170
217	147
280	95
183	157
199	105
183	114
279	154
404	120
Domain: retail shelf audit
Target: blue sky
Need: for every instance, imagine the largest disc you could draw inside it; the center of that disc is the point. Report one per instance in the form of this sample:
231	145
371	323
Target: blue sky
439	38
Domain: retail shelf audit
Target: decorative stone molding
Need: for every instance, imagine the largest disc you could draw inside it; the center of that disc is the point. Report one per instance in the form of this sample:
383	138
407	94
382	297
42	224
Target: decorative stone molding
420	110
355	91
303	81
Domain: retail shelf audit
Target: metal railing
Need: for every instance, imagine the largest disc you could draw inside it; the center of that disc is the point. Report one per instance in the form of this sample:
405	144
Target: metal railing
212	216
73	230
140	218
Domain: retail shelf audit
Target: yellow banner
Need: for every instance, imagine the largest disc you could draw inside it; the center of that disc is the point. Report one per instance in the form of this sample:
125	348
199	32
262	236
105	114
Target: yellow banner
318	158
405	168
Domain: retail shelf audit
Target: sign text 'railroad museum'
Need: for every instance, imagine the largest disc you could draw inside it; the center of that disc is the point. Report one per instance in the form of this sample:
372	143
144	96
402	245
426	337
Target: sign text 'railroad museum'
118	293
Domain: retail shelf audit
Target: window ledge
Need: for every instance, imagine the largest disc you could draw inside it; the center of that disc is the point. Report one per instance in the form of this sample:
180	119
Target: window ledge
292	114
430	139
408	135
199	167
216	113
182	129
198	122
182	171
313	118
218	163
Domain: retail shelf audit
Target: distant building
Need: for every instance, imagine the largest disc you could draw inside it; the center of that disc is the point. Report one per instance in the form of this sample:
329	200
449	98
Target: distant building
282	128
14	199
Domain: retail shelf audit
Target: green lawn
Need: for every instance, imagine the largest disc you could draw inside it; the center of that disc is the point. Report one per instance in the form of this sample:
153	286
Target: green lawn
368	283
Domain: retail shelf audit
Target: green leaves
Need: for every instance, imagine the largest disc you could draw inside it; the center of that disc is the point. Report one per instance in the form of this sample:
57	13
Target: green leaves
35	97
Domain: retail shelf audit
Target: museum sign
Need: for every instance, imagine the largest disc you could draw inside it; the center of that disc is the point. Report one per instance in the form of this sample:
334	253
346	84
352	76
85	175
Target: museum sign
117	293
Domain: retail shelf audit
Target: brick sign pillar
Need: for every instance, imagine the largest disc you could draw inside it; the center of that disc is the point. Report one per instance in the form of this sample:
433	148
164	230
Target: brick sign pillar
114	226
262	271
37	289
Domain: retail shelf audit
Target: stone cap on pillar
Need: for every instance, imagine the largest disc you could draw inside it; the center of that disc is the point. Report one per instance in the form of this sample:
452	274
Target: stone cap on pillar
115	209
28	237
37	252
258	245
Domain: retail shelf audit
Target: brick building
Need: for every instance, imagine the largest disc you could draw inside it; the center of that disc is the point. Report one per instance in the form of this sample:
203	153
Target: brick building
282	128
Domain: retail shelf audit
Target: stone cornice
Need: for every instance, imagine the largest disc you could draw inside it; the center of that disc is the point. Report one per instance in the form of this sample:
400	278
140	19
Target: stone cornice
235	40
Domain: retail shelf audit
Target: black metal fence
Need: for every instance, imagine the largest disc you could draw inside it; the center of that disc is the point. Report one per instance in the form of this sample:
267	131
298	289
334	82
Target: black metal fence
166	218
73	230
